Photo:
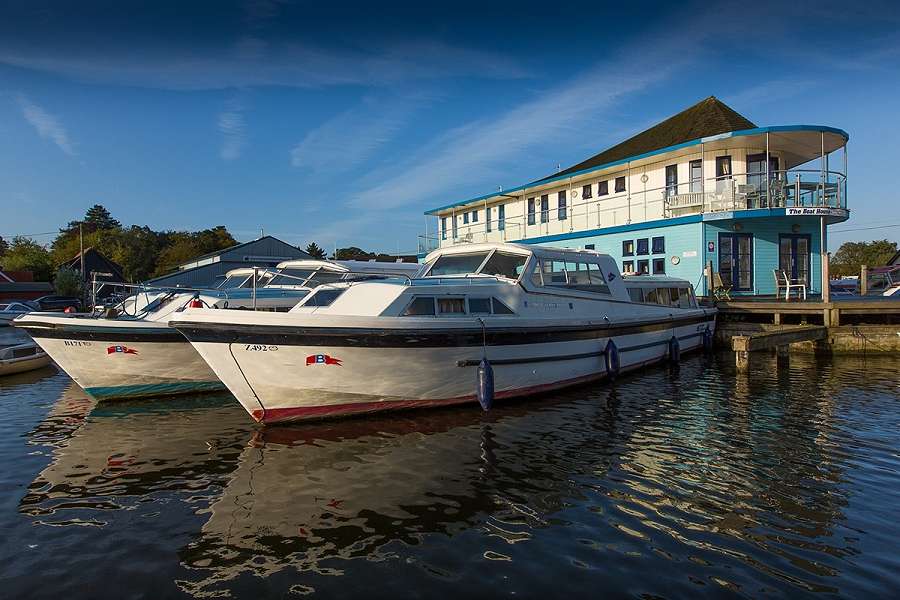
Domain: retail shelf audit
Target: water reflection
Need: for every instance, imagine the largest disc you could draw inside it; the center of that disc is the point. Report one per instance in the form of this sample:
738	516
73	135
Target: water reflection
670	482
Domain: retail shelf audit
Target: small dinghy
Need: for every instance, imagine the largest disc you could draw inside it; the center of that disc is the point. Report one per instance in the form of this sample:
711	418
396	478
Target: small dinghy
20	358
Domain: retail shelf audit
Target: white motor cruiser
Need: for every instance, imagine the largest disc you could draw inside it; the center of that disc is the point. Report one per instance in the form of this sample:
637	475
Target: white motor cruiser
129	351
542	318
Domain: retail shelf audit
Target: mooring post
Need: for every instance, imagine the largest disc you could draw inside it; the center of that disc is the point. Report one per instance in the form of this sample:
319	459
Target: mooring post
742	360
863	283
783	351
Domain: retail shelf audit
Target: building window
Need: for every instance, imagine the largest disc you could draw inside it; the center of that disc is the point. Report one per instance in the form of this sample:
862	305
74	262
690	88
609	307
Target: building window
501	217
589	246
474	216
628	266
659	266
487	218
696	176
455	227
603	188
465	218
561	212
620	184
736	260
643	267
671	180
443	228
628	248
531	211
659	245
586	192
643	246
723	167
545	208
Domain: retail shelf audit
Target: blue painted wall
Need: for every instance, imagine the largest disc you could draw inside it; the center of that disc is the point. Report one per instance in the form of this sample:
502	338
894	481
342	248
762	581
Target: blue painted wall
765	247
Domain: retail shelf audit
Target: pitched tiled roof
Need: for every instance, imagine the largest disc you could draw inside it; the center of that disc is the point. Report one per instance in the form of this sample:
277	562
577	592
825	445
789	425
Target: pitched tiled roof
708	117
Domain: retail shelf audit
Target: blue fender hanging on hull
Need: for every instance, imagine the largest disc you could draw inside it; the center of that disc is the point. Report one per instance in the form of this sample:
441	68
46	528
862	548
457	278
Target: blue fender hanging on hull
674	350
485	384
611	356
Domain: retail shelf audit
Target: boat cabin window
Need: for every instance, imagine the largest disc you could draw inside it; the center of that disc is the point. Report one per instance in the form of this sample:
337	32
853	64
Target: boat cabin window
680	297
505	265
291	277
578	275
420	305
636	294
452	306
323	297
322	276
457	264
480	306
425	305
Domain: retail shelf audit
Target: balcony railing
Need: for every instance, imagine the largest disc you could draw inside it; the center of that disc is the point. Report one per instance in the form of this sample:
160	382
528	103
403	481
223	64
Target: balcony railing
786	189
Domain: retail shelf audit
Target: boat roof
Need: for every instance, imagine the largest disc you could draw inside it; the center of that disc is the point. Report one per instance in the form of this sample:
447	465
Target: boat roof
652	279
354	266
514	248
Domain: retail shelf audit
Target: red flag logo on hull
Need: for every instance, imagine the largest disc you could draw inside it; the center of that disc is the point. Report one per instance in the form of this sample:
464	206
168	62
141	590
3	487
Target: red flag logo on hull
120	350
322	359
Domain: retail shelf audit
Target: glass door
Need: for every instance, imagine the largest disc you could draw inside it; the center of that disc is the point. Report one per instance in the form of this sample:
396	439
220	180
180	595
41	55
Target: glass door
793	256
736	260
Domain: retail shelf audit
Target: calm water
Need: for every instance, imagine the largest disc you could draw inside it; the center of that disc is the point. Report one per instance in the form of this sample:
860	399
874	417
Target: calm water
694	482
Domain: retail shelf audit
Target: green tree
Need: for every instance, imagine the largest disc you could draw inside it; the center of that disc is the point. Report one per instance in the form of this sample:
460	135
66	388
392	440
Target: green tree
852	255
67	283
99	218
353	253
315	251
24	254
4	246
181	249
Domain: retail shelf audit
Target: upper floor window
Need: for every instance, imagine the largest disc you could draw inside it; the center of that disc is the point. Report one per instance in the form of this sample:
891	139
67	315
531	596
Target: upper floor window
671	180
643	267
620	184
586	191
487	218
723	167
545	208
628	248
465	218
455	227
501	217
643	246
474	216
628	266
443	228
561	211
696	175
531	211
603	188
659	245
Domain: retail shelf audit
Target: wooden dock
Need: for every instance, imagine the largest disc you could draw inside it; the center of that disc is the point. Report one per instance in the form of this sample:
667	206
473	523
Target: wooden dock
870	325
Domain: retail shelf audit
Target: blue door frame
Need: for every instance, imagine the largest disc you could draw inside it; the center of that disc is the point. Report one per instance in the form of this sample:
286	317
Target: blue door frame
735	252
790	256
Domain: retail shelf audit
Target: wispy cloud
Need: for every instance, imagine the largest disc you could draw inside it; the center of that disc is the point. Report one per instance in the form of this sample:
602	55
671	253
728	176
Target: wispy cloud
775	90
46	125
232	127
253	61
353	136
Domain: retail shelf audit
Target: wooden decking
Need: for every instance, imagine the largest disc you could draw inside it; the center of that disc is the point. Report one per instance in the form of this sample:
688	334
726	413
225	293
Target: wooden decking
829	314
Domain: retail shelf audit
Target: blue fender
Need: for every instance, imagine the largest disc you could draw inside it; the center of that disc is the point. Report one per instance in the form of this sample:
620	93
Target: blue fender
485	384
674	350
612	359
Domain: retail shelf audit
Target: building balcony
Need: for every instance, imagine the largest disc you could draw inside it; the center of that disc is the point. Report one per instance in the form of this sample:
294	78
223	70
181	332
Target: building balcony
798	188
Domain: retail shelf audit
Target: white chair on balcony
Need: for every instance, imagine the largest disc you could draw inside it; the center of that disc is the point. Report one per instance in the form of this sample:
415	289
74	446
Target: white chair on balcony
784	282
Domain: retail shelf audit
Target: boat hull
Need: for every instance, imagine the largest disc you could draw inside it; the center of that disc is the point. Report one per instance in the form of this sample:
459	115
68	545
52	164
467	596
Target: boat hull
24	364
283	377
120	363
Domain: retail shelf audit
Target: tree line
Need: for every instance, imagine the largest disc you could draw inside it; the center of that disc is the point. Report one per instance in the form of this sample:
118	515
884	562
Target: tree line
141	252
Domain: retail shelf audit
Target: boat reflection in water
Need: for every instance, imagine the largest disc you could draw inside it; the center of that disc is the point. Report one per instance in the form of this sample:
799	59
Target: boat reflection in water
686	473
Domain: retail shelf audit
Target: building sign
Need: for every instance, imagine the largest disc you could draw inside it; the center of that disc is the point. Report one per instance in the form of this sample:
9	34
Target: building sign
816	212
690	253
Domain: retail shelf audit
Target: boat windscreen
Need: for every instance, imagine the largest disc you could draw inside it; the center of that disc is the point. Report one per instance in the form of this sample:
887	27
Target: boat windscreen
457	264
233	282
505	265
291	277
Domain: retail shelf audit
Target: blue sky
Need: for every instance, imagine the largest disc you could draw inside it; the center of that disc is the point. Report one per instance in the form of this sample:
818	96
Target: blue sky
341	123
